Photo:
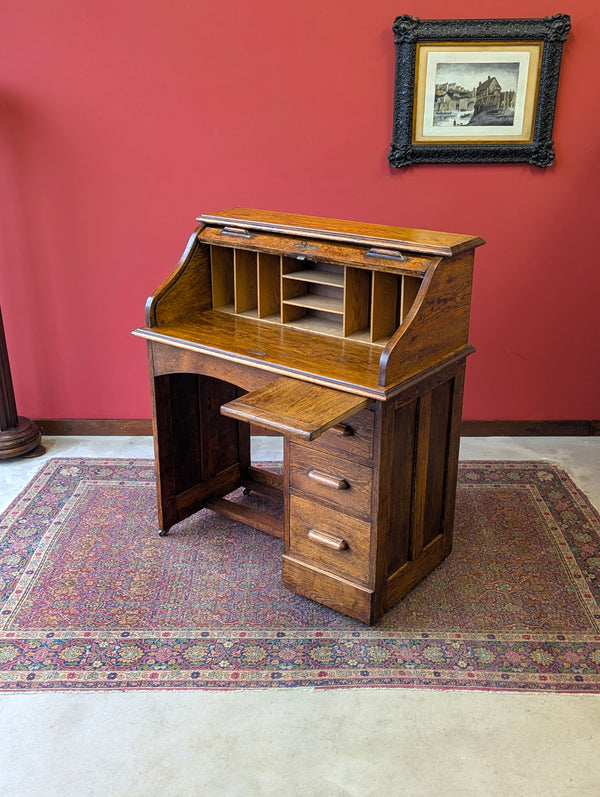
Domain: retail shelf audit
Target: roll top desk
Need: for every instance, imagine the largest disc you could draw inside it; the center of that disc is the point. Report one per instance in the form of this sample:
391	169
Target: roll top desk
348	339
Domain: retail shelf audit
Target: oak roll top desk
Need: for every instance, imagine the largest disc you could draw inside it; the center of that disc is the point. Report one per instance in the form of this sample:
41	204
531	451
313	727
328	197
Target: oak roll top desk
348	339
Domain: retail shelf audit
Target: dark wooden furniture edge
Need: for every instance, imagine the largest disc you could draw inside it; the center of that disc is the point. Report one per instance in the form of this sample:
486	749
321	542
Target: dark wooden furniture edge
19	436
563	428
143	427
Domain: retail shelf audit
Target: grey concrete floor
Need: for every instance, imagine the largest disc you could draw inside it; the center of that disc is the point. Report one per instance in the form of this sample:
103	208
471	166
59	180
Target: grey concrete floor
302	742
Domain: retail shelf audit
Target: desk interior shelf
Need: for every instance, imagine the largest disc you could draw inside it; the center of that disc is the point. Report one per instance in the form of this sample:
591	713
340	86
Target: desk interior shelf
332	299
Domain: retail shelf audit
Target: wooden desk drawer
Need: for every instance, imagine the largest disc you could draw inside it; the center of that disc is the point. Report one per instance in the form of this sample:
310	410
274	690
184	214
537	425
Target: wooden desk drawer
330	539
340	481
353	437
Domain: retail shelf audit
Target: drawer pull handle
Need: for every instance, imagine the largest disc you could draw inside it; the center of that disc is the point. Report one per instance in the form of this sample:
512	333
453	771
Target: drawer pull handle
386	254
240	231
342	429
328	481
328	540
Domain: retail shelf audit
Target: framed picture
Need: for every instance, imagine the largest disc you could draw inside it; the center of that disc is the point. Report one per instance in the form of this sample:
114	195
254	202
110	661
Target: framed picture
476	91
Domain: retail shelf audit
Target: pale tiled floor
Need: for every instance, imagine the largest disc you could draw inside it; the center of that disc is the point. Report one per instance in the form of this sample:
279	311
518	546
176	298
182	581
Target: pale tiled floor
289	743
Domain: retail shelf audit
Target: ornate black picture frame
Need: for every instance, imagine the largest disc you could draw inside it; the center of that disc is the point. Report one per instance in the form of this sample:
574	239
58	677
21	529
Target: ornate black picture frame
476	91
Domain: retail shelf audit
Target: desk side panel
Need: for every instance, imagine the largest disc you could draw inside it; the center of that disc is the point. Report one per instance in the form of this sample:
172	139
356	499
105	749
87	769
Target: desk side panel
187	291
418	474
437	325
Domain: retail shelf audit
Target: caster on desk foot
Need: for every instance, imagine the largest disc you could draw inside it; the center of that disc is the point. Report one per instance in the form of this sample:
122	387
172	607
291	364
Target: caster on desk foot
163	532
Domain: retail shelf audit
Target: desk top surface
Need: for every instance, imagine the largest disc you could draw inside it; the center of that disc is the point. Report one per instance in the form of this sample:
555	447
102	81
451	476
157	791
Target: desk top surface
336	362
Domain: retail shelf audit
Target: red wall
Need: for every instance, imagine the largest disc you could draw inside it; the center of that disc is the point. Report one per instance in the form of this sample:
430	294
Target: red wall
122	121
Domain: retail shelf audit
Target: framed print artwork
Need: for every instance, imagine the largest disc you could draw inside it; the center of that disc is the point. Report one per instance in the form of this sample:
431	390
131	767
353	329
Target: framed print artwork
476	90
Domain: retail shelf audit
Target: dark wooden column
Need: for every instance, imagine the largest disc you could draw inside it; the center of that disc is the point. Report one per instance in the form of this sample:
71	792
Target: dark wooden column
18	436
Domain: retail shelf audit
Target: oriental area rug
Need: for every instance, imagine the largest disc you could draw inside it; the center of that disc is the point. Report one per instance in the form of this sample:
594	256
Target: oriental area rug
91	598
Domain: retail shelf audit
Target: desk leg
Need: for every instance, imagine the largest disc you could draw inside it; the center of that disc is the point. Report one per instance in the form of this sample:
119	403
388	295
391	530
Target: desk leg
200	454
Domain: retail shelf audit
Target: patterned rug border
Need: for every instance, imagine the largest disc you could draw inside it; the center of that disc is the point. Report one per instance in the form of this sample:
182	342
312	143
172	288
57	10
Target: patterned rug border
225	659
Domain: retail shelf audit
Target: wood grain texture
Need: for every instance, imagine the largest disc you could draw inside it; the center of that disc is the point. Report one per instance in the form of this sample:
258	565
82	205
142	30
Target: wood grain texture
247	515
187	291
395	497
336	362
437	324
318	250
22	439
484	428
423	241
296	409
221	259
408	576
351	560
357	301
328	588
269	285
353	437
384	305
245	281
198	452
331	478
419	498
270	321
409	291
